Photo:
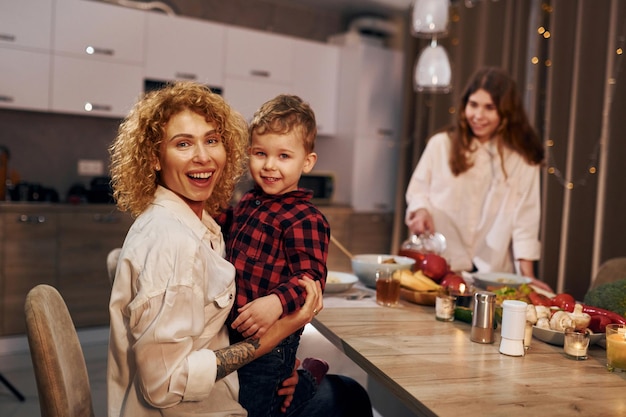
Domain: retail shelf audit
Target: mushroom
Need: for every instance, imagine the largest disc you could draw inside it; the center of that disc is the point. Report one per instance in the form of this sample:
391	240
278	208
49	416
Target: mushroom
581	320
561	320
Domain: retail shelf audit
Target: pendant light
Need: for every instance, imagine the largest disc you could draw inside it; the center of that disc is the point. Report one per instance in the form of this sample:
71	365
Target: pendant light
429	17
432	70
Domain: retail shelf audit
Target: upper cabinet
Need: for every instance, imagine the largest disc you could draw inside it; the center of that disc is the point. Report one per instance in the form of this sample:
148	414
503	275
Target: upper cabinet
98	57
180	48
97	30
261	65
26	23
258	66
258	56
25	34
315	80
95	88
25	79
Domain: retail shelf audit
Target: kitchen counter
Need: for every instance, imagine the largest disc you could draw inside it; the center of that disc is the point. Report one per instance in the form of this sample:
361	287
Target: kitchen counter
435	370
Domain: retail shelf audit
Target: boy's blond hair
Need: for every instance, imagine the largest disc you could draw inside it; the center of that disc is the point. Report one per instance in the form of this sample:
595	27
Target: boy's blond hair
284	114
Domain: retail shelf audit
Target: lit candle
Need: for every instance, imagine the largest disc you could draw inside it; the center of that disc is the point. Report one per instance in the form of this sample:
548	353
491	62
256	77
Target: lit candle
575	344
616	347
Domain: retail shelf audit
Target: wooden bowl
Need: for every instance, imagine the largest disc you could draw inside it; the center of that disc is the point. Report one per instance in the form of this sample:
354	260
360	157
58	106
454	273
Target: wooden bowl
426	298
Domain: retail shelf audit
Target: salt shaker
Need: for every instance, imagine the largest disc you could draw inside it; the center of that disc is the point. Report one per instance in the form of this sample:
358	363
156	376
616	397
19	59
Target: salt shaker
513	327
482	319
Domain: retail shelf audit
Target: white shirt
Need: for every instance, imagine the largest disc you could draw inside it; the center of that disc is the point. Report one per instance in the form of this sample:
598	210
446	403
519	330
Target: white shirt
172	293
489	220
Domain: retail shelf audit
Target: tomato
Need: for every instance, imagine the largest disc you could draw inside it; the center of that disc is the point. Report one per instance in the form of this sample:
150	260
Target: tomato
539	299
564	301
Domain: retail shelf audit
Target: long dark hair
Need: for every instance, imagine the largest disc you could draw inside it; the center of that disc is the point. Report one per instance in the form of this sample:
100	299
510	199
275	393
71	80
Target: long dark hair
514	131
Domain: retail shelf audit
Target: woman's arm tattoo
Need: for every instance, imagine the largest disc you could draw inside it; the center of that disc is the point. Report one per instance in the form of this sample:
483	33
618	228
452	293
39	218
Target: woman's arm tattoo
235	356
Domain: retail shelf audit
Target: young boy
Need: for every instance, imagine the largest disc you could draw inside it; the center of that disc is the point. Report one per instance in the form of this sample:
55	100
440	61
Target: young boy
275	236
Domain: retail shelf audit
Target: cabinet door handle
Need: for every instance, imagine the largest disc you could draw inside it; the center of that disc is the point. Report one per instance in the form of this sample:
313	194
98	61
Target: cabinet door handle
385	132
6	99
98	107
7	37
260	73
32	219
186	76
93	50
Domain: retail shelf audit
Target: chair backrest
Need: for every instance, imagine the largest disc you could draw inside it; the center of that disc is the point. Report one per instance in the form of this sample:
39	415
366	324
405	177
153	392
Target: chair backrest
611	270
58	359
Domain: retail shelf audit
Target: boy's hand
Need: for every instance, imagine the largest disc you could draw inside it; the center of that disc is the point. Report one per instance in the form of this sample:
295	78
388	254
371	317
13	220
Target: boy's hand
258	315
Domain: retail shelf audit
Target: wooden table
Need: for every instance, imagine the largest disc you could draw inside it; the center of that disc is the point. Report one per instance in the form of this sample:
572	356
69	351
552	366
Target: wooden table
435	370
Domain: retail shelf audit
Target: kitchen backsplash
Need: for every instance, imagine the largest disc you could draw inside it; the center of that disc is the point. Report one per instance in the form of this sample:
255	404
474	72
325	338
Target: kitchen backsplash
45	148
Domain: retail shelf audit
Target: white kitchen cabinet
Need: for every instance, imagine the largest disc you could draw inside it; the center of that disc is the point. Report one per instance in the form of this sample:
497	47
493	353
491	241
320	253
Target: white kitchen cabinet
258	56
258	67
374	174
371	91
315	80
181	48
89	87
25	81
246	96
99	31
365	152
26	23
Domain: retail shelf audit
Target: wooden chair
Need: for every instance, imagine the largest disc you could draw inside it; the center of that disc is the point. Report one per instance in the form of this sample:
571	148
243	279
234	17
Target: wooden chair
57	356
611	270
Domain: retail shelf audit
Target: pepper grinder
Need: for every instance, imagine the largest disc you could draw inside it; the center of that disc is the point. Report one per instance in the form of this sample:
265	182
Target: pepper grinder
482	319
513	327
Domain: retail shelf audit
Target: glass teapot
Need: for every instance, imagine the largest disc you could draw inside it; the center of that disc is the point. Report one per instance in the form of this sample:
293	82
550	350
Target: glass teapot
416	246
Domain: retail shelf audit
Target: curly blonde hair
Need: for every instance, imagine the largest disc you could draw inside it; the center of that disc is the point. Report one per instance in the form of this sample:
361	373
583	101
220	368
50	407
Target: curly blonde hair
136	147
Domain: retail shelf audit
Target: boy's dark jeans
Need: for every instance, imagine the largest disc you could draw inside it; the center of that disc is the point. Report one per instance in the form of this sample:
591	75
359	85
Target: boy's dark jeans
260	380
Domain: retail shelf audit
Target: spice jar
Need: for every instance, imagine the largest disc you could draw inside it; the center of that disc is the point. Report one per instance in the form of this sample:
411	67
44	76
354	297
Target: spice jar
483	316
416	246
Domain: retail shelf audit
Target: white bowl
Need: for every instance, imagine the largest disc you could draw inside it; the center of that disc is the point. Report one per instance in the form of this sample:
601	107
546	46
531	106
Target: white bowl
365	266
339	281
499	279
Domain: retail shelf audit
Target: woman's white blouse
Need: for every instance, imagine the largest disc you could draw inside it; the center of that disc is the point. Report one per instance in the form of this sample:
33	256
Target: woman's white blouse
172	293
488	219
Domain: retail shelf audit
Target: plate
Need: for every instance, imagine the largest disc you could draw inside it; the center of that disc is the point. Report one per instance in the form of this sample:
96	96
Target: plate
339	281
426	298
555	337
499	279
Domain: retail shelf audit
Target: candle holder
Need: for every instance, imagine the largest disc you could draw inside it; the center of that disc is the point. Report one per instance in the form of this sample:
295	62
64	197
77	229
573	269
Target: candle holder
444	306
575	344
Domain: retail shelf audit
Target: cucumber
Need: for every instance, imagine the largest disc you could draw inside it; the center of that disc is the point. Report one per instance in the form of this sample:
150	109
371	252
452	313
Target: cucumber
465	314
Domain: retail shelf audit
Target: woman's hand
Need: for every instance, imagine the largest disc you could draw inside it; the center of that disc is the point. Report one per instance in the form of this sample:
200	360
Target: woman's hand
288	387
420	221
314	302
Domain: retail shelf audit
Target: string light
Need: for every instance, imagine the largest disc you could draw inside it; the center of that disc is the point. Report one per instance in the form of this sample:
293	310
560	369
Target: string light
570	183
592	165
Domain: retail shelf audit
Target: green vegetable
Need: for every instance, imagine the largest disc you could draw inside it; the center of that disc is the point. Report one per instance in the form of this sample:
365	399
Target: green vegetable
610	296
465	314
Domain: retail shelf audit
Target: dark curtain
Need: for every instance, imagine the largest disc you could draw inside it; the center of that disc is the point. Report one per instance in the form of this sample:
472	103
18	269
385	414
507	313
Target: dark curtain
565	56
